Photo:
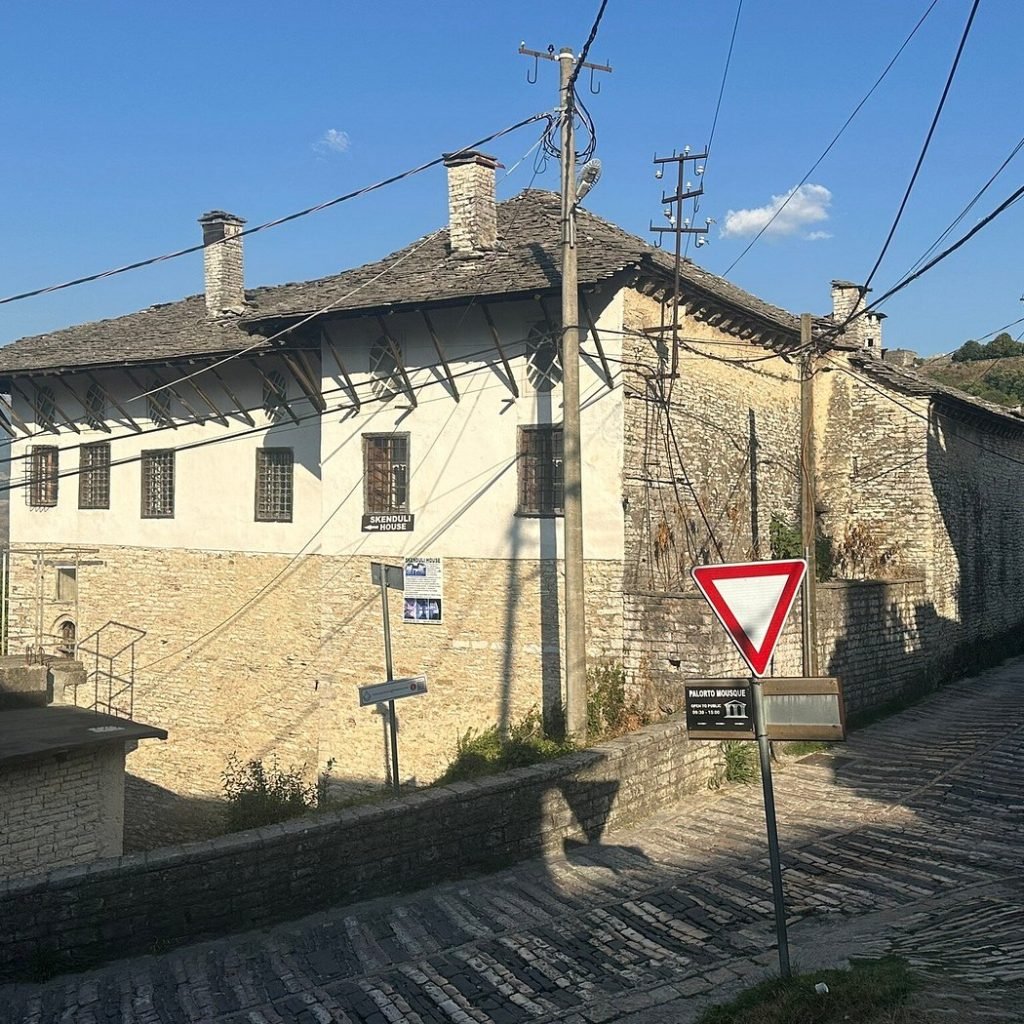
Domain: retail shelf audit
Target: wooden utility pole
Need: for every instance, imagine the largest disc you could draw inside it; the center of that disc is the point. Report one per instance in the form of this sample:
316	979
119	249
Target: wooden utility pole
808	521
572	471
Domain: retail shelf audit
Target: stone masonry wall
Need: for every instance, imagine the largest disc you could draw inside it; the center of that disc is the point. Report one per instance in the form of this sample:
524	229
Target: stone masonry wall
228	663
61	810
261	656
249	880
476	678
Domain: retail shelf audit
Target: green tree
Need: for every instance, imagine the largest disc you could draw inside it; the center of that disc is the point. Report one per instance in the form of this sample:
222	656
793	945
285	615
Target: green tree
969	352
1001	346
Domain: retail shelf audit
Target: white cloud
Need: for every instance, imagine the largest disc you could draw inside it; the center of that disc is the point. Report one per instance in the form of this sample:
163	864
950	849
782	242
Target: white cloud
817	236
793	211
332	141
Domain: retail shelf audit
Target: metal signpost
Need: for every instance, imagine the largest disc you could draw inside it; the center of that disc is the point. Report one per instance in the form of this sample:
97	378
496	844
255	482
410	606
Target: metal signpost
393	577
752	601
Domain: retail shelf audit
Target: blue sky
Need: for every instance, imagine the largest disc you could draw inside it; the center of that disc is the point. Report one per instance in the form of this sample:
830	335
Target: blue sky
123	122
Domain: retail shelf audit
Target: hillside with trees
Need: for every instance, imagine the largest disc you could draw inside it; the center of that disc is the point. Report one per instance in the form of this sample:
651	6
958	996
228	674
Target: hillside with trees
992	371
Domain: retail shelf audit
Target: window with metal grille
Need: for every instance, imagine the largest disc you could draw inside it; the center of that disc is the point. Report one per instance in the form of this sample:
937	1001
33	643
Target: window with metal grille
158	406
387	379
45	408
540	471
386	472
43	475
95	406
158	483
275	394
94	475
543	361
274	474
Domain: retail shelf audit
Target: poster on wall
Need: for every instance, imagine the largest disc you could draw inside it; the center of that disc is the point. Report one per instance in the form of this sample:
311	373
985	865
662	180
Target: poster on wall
424	585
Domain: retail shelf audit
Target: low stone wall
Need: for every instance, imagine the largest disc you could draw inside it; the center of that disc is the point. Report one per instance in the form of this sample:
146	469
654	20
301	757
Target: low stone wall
76	917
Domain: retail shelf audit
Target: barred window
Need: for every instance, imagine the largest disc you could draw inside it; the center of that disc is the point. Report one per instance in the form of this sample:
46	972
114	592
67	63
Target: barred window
45	408
95	406
43	475
387	380
543	361
94	475
275	394
158	483
386	472
158	406
540	471
274	475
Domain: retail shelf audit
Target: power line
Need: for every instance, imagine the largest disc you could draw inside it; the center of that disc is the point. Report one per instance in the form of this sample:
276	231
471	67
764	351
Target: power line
927	142
586	46
271	223
835	138
718	107
967	209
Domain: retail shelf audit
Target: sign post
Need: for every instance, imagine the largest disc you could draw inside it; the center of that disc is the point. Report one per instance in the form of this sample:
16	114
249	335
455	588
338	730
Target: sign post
389	576
764	750
752	601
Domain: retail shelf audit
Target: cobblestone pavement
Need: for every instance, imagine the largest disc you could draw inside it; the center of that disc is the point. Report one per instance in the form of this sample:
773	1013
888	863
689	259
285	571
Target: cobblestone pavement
907	839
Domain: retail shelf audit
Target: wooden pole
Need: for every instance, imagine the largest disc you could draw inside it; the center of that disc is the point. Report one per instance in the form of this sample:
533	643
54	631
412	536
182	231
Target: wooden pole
808	523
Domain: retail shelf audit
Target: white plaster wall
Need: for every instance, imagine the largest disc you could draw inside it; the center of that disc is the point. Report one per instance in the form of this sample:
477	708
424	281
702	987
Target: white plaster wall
214	484
463	485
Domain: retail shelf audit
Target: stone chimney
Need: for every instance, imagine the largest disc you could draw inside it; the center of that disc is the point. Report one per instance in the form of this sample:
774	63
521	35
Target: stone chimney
472	215
847	299
222	263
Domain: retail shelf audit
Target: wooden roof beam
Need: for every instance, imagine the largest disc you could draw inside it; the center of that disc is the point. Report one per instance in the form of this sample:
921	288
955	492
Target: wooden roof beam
273	387
587	312
239	410
397	355
328	342
308	381
115	403
143	390
449	376
52	428
14	417
510	378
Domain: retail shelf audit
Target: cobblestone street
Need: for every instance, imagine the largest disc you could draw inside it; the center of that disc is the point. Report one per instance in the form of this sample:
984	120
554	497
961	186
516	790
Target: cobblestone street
907	839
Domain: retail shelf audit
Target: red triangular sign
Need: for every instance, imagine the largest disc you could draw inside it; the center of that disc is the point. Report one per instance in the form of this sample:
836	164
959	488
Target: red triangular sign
752	600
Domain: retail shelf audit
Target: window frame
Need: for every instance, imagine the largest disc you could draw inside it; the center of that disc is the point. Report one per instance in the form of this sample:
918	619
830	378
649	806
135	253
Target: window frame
94	476
370	442
43	477
555	484
44	408
148	459
68	593
264	463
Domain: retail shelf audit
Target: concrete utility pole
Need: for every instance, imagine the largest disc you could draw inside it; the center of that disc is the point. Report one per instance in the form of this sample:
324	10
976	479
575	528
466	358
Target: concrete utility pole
572	463
808	512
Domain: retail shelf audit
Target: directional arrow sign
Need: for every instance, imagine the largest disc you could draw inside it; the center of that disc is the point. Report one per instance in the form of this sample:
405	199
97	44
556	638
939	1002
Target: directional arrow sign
752	600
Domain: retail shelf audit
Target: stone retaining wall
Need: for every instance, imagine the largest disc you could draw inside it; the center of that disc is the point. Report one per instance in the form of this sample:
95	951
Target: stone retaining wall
76	917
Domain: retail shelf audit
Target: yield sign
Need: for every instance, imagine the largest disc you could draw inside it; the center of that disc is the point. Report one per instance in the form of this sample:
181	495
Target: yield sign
752	601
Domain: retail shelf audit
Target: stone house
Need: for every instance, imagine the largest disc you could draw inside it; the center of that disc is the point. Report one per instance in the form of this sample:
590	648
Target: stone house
226	468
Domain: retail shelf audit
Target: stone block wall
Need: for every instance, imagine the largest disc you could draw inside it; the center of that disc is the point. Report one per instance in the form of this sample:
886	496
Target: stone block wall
61	810
704	478
228	663
495	657
252	879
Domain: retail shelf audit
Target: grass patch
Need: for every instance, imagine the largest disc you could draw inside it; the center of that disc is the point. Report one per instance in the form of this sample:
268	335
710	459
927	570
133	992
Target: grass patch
871	992
741	762
485	752
801	748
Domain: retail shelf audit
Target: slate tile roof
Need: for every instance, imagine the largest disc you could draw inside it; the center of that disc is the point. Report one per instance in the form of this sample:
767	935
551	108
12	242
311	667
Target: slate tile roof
526	261
908	381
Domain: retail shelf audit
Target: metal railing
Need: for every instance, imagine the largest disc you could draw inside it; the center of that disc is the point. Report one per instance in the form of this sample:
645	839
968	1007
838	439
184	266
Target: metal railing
108	655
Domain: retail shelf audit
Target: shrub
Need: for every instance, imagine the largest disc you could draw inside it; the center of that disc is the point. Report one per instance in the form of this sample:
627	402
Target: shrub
486	752
258	794
741	763
608	711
